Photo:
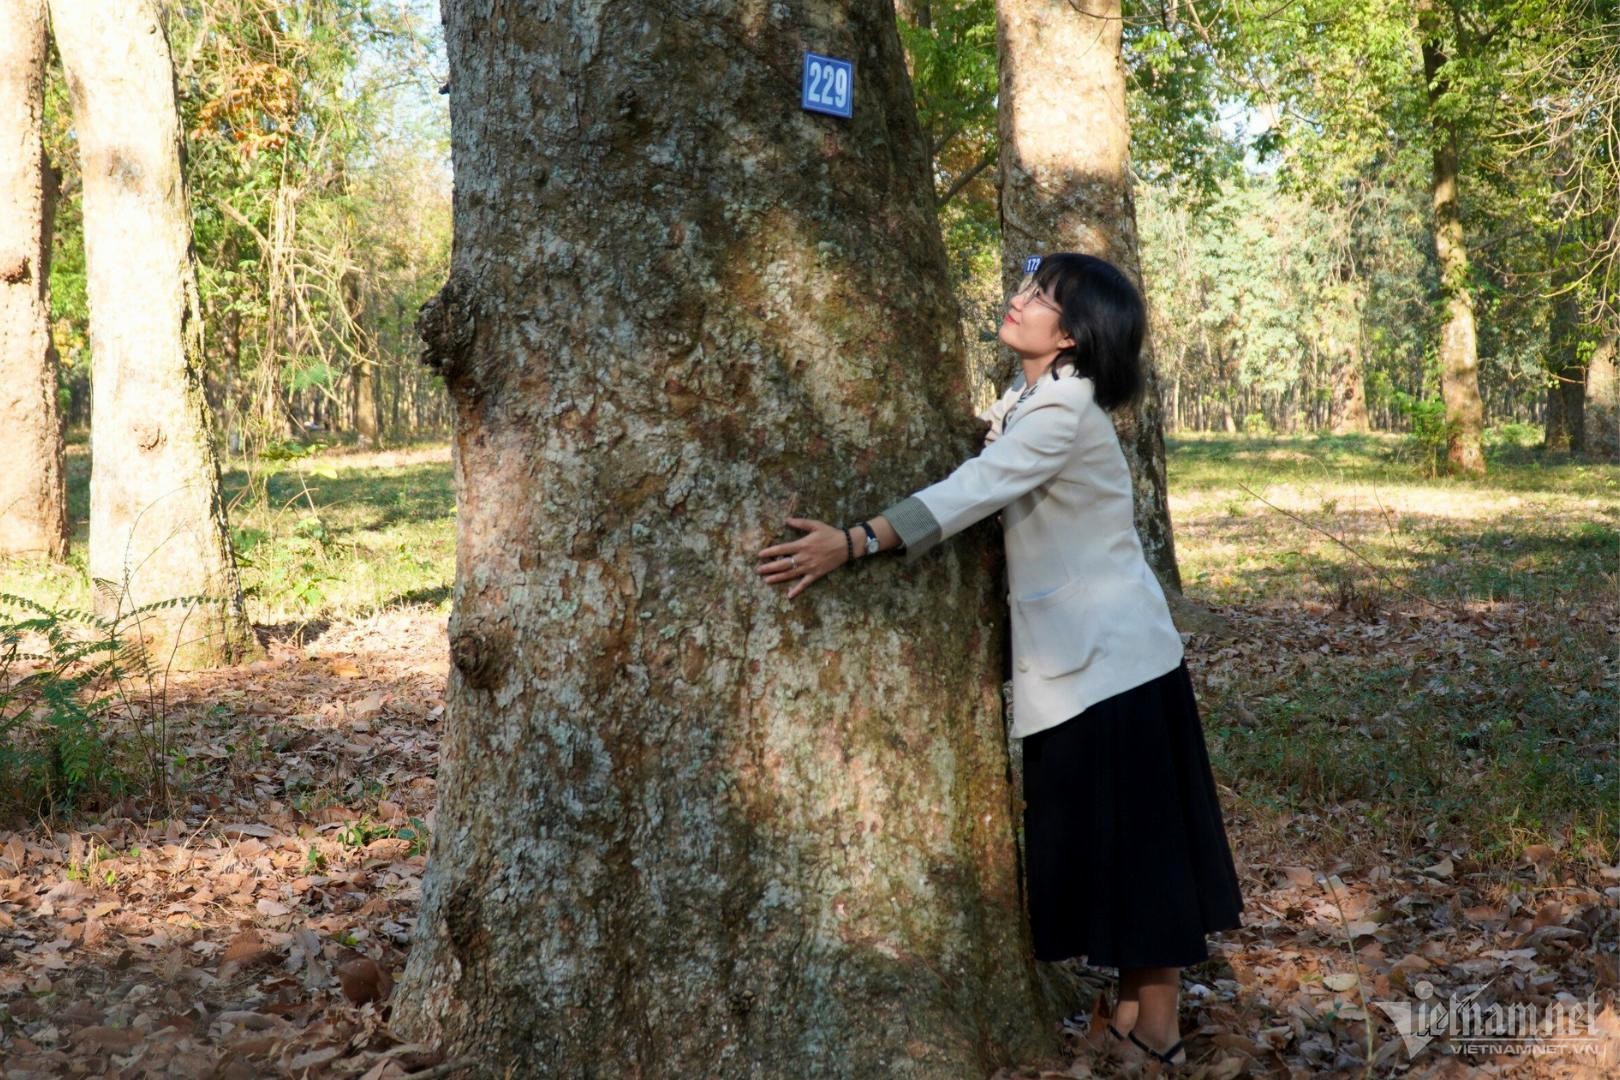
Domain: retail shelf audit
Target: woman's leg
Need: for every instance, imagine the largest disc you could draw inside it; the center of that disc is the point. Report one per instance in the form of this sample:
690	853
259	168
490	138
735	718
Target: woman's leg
1147	1005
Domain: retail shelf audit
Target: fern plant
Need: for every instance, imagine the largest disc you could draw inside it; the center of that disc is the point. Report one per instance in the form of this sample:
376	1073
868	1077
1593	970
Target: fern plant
54	703
50	718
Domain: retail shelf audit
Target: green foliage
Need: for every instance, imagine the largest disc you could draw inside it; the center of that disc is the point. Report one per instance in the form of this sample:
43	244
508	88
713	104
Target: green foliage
316	162
286	450
1431	430
55	705
1173	91
357	834
1514	434
51	745
954	80
1255	423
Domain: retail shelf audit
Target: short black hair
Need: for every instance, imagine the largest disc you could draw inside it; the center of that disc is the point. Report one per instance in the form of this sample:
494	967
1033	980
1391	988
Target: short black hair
1104	314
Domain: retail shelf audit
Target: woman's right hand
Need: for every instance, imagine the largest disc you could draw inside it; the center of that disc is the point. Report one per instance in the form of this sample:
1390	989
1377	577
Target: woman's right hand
823	549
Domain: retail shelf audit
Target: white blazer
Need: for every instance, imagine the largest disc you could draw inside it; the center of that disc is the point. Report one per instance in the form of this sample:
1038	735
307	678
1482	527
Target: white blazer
1088	616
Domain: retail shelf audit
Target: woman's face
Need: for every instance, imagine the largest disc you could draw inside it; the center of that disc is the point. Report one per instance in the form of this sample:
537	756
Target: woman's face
1030	327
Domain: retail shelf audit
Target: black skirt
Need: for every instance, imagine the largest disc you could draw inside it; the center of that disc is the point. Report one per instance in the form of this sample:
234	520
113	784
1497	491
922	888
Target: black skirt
1125	852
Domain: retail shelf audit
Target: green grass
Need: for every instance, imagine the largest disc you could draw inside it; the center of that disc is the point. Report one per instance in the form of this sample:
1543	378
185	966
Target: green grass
316	538
1486	739
330	540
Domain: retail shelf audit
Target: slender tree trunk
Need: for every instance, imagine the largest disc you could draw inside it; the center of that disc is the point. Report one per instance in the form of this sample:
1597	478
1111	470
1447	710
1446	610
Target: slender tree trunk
1601	413
231	361
157	522
1459	347
33	490
686	827
1065	186
1566	399
366	412
915	12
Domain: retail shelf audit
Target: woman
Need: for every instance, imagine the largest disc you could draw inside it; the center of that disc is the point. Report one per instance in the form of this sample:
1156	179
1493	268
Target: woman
1127	857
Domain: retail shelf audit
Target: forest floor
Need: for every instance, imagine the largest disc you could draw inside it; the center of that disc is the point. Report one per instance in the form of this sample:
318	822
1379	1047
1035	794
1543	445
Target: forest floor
1410	697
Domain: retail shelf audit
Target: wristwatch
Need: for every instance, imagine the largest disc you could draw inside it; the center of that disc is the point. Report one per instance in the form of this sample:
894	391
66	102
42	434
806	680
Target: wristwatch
871	539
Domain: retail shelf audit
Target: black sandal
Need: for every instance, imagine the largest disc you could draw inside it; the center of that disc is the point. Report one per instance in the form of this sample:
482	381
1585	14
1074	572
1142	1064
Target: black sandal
1167	1057
1081	1025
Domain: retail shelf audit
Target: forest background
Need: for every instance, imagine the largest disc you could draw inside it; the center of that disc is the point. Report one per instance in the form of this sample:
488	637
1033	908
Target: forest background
1283	168
1281	184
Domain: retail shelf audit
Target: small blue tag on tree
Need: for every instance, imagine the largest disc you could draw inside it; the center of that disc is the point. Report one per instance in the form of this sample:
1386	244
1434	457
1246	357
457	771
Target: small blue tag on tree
828	85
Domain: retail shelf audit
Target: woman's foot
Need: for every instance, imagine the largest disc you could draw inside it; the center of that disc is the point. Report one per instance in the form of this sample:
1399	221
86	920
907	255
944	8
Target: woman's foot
1098	1031
1170	1054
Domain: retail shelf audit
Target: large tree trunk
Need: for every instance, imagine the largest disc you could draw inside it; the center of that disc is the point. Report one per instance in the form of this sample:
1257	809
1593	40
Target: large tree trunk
1459	344
33	490
157	523
686	827
1065	144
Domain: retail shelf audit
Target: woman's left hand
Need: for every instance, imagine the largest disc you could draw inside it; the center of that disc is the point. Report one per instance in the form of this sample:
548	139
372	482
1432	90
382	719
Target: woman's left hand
821	550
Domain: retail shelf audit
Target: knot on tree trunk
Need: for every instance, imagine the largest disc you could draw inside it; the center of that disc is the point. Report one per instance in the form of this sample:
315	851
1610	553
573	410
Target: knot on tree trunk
14	270
464	920
481	651
445	323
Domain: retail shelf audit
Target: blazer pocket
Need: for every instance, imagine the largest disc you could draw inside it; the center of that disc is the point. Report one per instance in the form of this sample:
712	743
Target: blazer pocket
1064	633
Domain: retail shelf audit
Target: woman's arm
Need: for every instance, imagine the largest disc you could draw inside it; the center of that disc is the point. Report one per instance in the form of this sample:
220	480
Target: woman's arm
888	539
821	550
1020	461
1023	459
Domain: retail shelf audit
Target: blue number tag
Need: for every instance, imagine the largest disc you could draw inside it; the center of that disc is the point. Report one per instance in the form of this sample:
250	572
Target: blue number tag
828	85
1031	263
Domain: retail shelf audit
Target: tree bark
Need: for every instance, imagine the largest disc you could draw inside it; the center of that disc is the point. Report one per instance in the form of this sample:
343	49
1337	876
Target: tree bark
1601	408
1065	186
33	492
686	827
1459	344
1348	411
230	349
1565	429
367	415
157	522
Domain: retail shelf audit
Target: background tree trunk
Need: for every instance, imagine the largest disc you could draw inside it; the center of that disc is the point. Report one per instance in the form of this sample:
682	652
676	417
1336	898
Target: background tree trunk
1065	186
1459	339
1565	414
1348	414
687	827
1601	401
367	424
33	491
157	523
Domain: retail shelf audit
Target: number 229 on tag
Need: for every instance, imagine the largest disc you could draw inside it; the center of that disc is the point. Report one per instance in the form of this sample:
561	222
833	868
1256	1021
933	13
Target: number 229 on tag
829	85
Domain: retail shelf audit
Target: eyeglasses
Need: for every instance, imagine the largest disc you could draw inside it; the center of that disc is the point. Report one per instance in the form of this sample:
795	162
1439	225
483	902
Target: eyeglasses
1031	294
